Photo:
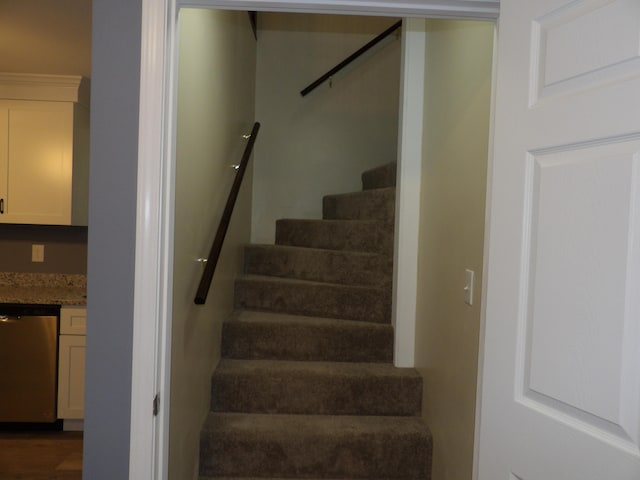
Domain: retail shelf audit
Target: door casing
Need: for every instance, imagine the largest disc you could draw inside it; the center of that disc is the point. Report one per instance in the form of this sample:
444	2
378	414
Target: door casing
149	437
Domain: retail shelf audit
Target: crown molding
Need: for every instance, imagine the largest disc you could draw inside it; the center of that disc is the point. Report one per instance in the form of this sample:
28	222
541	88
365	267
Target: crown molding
30	86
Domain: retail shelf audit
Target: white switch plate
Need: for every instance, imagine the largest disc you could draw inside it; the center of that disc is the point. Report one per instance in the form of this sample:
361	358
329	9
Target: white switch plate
468	286
37	253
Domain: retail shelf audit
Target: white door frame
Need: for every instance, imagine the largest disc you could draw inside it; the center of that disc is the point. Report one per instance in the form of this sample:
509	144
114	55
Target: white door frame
156	170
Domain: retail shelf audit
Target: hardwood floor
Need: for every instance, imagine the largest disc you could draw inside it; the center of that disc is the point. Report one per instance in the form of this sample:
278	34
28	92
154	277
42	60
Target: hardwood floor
41	456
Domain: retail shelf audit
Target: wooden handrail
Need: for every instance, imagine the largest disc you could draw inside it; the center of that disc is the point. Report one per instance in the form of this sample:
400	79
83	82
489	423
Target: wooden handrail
350	58
216	247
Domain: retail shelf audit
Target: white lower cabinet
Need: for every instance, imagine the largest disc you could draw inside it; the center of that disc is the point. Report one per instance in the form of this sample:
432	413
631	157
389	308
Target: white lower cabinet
71	363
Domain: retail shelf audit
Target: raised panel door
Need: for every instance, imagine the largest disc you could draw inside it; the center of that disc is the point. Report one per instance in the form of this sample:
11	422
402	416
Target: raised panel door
561	371
71	371
4	155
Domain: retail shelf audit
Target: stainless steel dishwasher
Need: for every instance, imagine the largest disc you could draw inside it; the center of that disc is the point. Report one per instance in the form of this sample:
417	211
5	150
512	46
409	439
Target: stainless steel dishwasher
28	362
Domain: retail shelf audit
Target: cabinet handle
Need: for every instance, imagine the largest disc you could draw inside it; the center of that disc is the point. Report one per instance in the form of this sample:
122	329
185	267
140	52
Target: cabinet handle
1	206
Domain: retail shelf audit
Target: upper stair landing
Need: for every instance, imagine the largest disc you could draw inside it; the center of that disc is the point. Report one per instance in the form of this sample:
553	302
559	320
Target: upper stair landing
380	177
374	204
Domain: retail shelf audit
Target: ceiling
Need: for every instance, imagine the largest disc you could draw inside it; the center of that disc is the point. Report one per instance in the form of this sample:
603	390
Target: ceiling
45	36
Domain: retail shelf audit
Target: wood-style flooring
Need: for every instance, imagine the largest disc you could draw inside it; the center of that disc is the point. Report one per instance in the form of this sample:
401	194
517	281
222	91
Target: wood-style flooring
40	456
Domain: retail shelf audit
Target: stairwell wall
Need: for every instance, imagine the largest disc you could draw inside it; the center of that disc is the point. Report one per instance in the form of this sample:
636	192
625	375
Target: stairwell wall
216	87
319	144
458	72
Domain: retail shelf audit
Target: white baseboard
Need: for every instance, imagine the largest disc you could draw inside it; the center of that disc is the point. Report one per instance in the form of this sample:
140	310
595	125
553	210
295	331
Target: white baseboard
73	425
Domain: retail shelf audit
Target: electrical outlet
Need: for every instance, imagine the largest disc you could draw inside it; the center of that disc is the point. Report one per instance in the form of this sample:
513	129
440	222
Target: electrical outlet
37	253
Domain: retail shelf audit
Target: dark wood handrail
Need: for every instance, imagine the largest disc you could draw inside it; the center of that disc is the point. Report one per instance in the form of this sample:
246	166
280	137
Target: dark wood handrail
216	247
350	58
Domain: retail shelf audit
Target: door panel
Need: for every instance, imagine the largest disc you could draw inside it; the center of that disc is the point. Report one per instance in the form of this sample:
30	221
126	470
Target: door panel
4	152
40	162
561	376
581	205
582	32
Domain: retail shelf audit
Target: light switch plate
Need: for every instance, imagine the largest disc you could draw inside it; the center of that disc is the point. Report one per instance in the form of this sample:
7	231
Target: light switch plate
37	253
468	286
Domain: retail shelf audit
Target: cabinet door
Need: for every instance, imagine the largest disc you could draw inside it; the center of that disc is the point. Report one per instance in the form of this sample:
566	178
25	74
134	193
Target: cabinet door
71	376
73	320
4	155
39	165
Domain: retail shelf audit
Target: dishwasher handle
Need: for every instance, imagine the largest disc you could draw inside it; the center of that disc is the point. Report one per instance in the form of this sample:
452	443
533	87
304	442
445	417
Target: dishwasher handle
8	319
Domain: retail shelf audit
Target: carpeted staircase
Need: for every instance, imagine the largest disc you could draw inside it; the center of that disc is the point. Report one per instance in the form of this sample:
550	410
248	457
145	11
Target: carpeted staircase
306	388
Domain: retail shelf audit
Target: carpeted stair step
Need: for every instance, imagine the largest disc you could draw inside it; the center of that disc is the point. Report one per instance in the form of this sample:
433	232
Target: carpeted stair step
314	446
273	478
301	297
350	235
263	335
331	266
320	388
295	478
380	177
377	204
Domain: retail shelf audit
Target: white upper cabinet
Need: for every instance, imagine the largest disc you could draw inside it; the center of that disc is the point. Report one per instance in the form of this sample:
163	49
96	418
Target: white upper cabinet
44	149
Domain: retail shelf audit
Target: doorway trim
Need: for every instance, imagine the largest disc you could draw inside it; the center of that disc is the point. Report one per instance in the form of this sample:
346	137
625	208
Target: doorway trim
408	183
151	359
459	9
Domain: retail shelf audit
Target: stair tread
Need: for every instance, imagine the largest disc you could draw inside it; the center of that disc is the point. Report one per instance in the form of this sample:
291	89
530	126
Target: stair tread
332	223
309	446
337	221
375	204
253	334
334	369
346	235
257	316
295	248
384	166
296	426
382	176
315	387
296	281
371	303
363	193
321	265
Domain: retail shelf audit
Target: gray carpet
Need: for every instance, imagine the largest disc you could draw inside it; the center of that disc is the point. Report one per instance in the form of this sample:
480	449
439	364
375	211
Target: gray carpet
306	388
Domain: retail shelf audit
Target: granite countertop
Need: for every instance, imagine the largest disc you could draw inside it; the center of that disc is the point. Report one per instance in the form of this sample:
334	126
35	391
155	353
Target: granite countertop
43	288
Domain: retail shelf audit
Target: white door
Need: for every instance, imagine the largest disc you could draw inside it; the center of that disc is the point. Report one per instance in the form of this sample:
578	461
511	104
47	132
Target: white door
561	372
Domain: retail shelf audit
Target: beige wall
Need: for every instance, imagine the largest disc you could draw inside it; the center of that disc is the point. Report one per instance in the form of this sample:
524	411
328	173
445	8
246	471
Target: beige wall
45	36
455	152
319	144
65	248
215	107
